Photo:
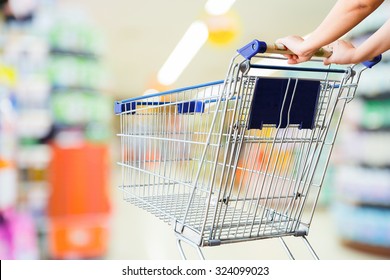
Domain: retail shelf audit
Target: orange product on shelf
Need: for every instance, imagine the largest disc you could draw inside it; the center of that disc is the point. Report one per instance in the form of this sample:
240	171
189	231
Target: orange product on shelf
78	178
78	237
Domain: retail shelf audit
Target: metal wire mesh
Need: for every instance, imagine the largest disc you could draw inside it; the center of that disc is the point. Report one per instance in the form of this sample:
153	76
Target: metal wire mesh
189	158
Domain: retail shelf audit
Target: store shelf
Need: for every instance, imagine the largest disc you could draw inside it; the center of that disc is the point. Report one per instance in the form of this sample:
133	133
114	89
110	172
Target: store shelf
59	110
362	182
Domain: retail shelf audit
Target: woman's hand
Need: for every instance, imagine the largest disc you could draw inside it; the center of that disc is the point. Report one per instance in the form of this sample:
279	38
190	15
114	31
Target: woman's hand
342	53
296	45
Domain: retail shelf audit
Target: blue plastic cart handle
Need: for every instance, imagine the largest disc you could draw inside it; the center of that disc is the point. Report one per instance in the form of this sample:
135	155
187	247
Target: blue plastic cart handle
250	50
373	61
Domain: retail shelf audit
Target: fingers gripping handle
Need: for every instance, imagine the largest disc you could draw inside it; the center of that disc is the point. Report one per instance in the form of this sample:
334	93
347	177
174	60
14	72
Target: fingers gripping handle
281	49
256	46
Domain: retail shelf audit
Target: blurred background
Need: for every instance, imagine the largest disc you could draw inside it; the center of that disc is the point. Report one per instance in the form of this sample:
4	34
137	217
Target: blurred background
64	62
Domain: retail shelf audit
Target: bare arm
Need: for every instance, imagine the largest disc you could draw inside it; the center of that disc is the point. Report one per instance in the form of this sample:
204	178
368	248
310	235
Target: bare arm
345	15
345	53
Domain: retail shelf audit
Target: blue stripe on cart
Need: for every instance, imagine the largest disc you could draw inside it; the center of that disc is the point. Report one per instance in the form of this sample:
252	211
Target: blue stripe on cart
123	105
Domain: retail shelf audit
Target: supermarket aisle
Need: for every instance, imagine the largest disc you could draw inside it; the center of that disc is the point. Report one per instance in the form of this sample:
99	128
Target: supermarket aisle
135	234
68	64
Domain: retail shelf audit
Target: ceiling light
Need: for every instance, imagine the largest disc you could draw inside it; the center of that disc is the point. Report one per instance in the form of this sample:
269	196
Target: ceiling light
193	39
218	7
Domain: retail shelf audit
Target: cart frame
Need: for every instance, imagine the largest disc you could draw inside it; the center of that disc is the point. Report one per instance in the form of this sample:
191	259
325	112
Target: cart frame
239	159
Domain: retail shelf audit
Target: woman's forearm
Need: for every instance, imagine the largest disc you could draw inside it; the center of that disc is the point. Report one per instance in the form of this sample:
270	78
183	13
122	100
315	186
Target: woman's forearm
377	43
342	18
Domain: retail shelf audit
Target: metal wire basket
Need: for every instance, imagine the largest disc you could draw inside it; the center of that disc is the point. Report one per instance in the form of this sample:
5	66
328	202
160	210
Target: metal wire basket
239	159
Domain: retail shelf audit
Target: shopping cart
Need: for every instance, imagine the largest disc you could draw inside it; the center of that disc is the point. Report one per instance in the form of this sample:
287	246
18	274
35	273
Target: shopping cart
239	159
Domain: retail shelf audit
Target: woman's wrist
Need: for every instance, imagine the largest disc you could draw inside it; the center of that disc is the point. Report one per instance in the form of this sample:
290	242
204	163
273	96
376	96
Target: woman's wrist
309	47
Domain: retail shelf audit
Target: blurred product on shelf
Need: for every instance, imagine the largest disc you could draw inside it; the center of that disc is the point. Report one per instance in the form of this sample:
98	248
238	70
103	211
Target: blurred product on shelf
362	185
18	237
33	159
8	185
376	113
368	226
17	229
7	113
78	177
18	9
85	109
77	72
8	171
366	147
80	236
79	205
73	32
55	125
378	83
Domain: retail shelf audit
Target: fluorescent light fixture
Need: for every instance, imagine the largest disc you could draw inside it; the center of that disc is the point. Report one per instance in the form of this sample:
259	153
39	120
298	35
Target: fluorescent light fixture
192	40
218	7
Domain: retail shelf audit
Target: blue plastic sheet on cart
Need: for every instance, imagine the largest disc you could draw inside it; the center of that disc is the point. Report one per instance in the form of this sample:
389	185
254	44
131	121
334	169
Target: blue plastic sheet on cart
125	107
194	106
274	95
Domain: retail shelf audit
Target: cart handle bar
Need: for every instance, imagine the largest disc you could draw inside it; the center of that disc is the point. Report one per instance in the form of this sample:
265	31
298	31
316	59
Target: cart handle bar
250	50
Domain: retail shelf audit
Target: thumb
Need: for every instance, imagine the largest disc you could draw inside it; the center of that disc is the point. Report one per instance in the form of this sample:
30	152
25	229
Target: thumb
327	61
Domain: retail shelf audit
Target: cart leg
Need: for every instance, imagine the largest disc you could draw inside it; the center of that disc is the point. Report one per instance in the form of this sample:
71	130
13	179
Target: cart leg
310	248
181	251
290	255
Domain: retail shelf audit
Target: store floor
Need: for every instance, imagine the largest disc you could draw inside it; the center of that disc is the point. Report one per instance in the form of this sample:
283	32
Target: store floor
135	235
